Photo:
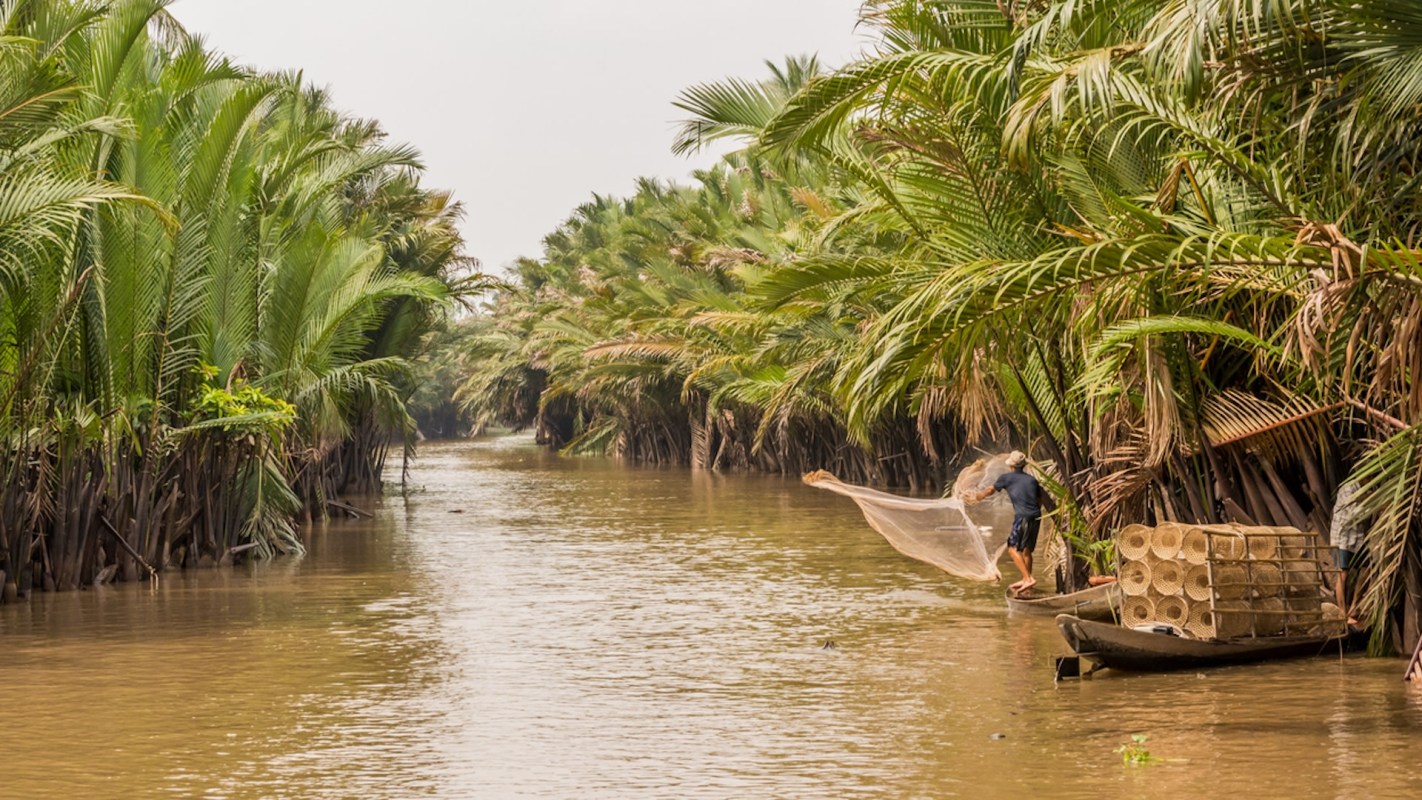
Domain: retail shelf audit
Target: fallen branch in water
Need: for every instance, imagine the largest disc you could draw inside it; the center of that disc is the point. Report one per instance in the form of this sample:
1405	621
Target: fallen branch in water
152	573
349	509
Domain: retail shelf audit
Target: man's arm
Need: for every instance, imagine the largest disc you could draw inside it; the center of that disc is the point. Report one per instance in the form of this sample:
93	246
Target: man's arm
982	494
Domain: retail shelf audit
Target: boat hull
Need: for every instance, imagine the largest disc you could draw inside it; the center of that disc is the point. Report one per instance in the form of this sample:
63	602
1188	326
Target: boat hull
1126	649
1096	603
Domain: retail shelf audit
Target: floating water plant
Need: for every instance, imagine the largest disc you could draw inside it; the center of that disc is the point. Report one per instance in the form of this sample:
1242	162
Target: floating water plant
1135	752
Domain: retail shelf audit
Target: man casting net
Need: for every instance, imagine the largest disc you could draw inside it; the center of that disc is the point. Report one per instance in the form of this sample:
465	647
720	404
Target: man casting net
962	540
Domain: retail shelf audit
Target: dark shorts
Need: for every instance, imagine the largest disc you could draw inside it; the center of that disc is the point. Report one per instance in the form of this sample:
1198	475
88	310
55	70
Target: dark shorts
1344	558
1024	534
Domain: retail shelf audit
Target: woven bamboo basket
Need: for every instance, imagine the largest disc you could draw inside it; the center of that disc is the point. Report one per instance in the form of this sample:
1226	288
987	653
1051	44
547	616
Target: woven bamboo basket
1231	583
1232	619
1296	547
1302	577
1201	623
1165	541
1167	578
1137	610
1270	621
1194	546
1226	543
1197	584
1263	546
1267	579
1133	543
1306	608
1305	613
1333	623
1135	578
1173	610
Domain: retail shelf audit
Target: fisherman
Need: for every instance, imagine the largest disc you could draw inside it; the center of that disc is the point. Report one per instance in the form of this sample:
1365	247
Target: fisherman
1026	496
1346	534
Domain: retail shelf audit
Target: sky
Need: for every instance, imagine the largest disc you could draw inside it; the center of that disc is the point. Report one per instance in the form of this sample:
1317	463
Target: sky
525	108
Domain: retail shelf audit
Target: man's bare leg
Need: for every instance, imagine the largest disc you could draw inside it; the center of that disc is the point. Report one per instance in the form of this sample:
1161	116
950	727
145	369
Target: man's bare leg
1340	590
1024	565
1017	561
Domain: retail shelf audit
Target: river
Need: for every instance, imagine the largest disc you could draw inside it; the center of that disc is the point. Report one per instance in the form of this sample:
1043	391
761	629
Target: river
521	625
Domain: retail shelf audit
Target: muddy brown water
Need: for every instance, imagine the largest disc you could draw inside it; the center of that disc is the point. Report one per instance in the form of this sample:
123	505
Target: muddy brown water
581	629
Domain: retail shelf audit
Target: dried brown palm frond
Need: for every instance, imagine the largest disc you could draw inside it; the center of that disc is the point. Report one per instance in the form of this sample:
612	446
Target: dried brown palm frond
1291	424
723	258
975	397
1163	419
1118	487
1364	333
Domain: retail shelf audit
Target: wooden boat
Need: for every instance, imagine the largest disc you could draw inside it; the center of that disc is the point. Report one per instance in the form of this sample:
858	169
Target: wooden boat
1124	648
1098	602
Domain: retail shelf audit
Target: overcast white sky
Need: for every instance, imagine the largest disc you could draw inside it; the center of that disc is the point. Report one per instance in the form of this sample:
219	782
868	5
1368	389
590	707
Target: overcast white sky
525	107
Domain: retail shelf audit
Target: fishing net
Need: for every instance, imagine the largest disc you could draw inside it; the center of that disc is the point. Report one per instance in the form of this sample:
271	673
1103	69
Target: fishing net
960	539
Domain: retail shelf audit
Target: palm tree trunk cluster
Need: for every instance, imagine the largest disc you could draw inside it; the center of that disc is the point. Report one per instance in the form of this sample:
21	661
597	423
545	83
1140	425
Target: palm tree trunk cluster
211	285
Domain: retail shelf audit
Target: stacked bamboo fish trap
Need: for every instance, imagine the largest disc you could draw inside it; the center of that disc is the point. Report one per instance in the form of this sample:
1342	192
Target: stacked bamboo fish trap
1226	581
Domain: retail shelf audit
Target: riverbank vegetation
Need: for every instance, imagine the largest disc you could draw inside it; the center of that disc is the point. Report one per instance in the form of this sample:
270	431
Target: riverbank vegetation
210	284
1172	247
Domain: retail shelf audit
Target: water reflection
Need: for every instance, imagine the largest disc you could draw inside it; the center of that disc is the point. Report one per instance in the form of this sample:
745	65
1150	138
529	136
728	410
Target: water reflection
527	626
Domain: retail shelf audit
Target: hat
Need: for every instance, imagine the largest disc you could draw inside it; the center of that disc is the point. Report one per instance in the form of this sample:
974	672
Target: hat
1016	458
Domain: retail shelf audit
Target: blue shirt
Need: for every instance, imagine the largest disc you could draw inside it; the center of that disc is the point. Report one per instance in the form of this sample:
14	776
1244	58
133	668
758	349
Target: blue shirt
1024	490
